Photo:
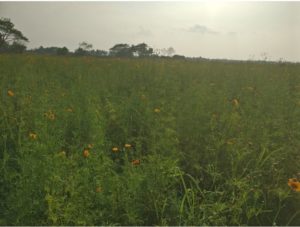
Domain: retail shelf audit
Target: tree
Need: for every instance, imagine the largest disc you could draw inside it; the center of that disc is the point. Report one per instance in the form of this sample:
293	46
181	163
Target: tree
98	53
169	52
121	50
62	51
17	47
177	56
84	49
46	50
8	33
142	50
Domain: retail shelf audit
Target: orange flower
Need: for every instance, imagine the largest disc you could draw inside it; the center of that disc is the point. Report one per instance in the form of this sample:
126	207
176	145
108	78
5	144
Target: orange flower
115	149
294	184
136	162
235	102
32	135
86	153
127	145
10	93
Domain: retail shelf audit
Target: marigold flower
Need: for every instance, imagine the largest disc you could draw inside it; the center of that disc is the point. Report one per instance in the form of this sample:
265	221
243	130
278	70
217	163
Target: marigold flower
127	145
156	110
50	115
115	149
10	93
235	102
294	184
136	162
32	135
86	153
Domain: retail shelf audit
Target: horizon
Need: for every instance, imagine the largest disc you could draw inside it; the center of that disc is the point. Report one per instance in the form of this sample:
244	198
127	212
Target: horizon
213	30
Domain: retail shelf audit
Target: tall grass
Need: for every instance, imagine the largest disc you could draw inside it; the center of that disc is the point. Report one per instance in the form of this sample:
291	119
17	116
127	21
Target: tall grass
208	143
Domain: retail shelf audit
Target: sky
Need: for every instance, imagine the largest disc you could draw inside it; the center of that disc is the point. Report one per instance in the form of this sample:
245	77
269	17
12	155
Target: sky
216	29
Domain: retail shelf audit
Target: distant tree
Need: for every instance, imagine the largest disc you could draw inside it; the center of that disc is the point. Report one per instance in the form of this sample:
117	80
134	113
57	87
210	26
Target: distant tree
83	49
142	50
50	50
86	46
62	51
121	50
17	47
176	56
8	34
169	52
99	53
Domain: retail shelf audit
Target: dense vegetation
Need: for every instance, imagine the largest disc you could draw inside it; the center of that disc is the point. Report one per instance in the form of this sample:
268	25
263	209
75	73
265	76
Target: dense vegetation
91	141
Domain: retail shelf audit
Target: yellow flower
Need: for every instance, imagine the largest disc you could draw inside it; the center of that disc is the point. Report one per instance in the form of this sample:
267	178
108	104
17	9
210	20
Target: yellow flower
235	102
50	115
69	110
127	145
10	93
136	162
32	135
156	110
86	153
294	184
115	149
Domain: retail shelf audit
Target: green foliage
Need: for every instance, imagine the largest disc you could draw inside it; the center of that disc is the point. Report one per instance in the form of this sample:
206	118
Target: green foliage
87	141
9	34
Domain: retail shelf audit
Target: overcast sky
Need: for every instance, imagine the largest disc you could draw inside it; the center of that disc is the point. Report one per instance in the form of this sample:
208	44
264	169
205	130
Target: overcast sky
234	30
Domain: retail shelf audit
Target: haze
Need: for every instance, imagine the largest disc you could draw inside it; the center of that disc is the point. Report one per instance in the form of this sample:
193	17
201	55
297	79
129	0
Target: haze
232	30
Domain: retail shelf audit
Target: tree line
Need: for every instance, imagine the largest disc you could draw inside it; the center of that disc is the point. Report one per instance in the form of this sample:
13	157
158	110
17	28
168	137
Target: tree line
13	41
118	50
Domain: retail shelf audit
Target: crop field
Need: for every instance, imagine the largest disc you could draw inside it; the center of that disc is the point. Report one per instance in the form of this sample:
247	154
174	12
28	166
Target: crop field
107	141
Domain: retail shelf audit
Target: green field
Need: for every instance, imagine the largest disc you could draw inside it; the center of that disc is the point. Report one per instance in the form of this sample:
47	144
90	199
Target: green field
91	141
